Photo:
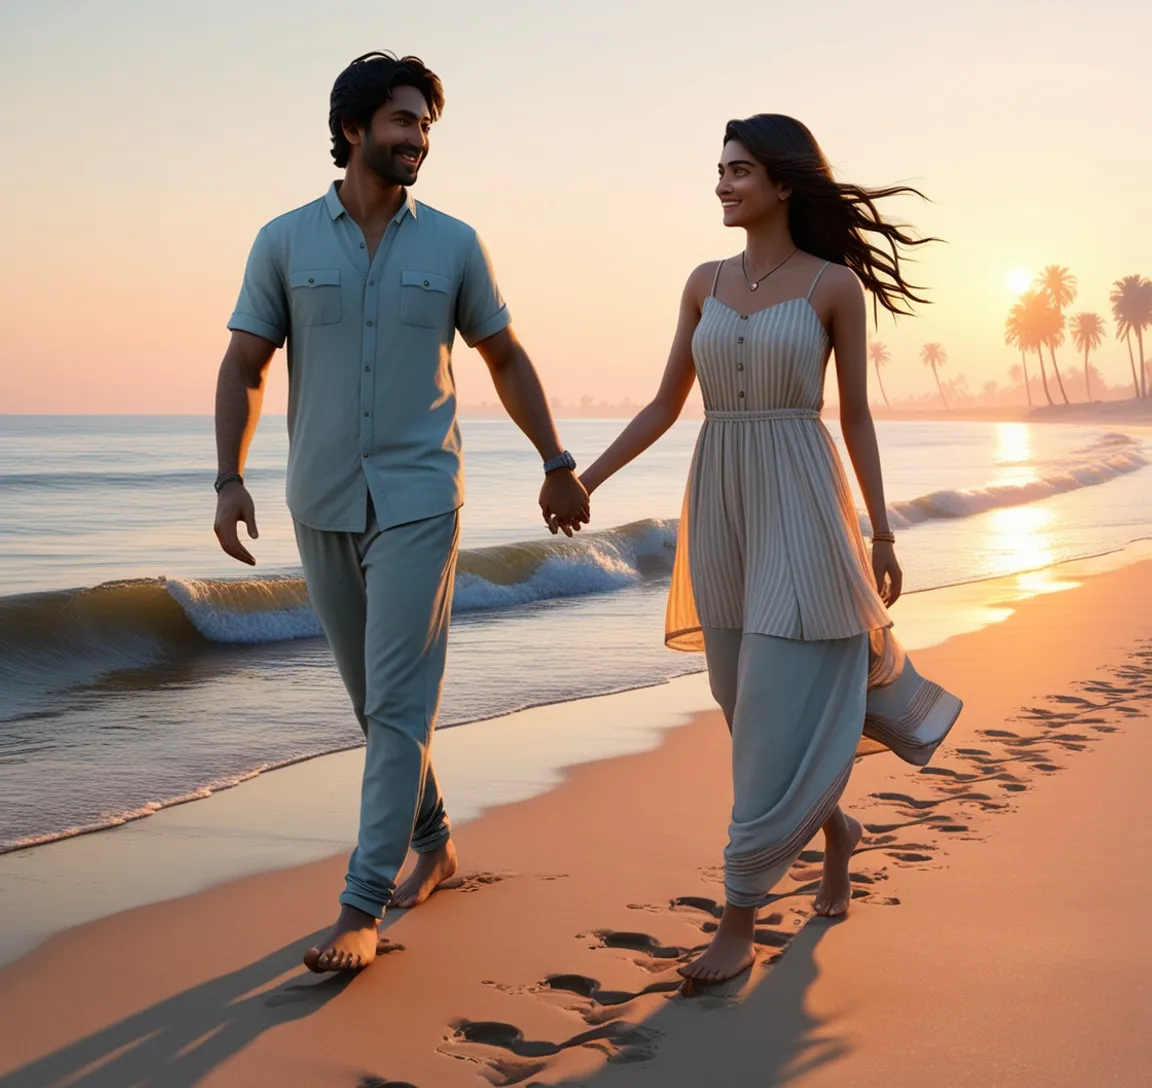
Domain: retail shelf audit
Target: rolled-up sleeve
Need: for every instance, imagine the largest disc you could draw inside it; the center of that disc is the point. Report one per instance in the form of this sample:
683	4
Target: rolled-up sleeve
480	310
262	308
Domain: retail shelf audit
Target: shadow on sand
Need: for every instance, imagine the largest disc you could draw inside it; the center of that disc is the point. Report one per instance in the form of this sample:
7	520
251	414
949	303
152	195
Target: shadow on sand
179	1041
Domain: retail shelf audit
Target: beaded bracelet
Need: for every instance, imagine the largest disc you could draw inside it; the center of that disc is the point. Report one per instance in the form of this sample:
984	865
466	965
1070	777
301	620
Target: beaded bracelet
883	538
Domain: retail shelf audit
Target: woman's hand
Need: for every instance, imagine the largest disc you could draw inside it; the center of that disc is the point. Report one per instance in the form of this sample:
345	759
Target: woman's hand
886	570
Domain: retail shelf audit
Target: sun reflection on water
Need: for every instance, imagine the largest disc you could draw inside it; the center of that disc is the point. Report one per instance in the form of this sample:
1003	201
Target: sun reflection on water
1013	454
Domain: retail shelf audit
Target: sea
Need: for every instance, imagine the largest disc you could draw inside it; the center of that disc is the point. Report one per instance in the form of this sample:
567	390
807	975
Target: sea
140	667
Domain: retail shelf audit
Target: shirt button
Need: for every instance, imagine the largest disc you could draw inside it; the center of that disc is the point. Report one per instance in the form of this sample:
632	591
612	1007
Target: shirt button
371	283
366	414
369	324
363	246
367	369
425	283
741	394
743	317
739	366
311	280
740	340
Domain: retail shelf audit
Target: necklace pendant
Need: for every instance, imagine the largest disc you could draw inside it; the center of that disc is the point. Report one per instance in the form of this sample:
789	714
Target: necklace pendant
753	286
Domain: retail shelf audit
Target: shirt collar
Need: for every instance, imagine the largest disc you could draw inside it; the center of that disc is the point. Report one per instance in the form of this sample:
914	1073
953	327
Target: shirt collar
336	207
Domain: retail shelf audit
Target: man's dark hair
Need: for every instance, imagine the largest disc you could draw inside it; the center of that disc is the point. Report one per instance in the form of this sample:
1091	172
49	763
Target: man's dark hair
366	84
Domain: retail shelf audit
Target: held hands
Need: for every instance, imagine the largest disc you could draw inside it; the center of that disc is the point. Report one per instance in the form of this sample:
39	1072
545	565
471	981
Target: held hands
235	505
563	502
886	570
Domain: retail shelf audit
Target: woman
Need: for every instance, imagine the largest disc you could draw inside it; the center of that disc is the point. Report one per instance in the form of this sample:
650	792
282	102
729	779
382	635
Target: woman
772	578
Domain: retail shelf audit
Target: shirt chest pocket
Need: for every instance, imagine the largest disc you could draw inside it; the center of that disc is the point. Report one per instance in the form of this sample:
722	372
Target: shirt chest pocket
316	296
424	298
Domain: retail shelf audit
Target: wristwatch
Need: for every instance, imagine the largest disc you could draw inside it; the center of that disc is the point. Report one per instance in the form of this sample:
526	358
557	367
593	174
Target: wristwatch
561	460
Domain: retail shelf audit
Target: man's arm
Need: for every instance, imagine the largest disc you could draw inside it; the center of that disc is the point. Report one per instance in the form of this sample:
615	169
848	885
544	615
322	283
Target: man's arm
563	500
239	396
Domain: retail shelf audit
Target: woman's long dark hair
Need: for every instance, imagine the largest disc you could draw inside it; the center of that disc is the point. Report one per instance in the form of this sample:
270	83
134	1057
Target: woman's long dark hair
828	218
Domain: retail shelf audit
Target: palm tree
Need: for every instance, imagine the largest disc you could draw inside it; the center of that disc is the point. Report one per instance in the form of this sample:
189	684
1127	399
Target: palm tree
934	356
880	356
1131	300
1014	338
1060	286
1087	335
1036	317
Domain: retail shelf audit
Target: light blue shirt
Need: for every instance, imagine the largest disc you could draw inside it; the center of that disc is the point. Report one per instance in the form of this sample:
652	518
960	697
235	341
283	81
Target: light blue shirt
371	395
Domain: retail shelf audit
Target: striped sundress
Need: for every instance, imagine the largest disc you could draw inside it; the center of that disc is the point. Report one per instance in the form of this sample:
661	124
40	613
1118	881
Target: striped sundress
770	547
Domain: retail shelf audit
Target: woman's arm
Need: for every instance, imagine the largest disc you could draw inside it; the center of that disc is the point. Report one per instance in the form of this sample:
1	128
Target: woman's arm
655	418
849	342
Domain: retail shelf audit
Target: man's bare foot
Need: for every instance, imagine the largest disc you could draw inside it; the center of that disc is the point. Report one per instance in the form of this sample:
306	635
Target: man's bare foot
731	950
430	872
348	946
841	837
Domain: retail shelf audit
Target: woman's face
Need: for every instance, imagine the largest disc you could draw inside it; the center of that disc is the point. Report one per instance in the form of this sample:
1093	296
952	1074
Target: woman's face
747	194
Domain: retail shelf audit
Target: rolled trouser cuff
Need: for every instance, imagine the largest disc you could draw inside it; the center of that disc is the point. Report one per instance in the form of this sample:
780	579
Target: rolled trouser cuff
368	905
426	842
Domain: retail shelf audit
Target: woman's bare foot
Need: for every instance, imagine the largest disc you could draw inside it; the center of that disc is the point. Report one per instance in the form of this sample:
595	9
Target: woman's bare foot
841	837
348	946
731	950
430	872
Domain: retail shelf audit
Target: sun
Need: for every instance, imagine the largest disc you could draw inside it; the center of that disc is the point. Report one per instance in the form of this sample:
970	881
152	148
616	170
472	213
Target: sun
1019	280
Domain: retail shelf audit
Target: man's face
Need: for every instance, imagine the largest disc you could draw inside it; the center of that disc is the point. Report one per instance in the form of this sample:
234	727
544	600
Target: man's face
396	142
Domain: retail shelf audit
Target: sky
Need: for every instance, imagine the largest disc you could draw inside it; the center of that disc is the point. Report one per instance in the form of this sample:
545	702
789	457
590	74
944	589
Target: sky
146	143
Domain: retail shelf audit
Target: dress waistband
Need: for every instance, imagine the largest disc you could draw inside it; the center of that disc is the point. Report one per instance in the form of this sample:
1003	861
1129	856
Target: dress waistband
767	413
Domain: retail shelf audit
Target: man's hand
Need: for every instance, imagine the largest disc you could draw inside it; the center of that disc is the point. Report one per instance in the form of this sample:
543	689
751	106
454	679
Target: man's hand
564	502
235	505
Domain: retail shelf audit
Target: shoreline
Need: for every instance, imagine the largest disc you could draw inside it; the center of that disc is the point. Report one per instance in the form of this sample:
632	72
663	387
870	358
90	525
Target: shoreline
306	811
556	959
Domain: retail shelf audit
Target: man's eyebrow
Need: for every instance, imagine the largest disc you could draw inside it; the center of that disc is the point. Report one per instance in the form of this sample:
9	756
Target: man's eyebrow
413	116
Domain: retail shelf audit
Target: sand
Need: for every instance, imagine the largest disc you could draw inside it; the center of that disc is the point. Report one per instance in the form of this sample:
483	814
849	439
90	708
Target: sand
997	936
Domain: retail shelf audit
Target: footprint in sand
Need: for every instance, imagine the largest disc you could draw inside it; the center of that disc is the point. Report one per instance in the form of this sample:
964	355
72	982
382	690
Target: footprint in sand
507	1058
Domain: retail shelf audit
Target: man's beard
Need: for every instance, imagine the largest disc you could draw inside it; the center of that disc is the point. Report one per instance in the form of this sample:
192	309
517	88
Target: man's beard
383	162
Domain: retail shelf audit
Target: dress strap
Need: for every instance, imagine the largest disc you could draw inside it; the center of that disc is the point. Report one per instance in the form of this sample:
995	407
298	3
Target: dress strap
816	280
716	279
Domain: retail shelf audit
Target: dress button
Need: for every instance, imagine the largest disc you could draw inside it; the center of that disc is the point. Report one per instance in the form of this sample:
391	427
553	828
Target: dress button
743	317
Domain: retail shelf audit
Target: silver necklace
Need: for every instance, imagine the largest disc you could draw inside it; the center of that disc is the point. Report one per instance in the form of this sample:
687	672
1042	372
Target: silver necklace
753	284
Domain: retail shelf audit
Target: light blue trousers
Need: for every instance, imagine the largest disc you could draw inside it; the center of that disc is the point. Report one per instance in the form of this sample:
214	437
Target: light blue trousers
384	599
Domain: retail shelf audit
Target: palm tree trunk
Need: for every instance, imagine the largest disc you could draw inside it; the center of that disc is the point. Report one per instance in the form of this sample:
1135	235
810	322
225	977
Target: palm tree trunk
936	375
1132	364
1059	380
1143	369
1087	378
880	382
1043	373
1027	384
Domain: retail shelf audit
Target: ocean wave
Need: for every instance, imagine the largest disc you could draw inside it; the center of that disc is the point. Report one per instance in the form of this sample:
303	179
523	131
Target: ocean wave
55	640
951	504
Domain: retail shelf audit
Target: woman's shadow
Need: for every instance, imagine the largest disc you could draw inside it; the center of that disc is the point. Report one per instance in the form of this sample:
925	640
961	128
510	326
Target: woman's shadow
179	1041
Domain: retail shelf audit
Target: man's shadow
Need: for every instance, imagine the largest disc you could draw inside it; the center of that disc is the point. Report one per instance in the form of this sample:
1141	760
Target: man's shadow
179	1041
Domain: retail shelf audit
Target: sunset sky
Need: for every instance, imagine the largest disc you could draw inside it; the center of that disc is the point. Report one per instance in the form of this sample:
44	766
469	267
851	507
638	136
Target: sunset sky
146	143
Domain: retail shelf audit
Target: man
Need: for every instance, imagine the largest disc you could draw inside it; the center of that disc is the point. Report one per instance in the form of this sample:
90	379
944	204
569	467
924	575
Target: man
369	287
